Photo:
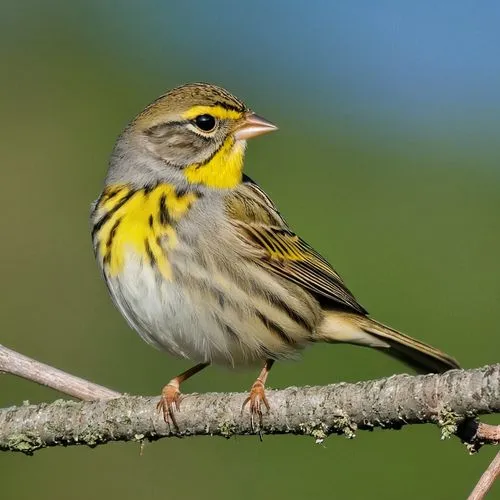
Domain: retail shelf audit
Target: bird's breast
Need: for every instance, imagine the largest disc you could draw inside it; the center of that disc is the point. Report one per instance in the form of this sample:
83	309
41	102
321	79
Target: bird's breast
173	268
140	221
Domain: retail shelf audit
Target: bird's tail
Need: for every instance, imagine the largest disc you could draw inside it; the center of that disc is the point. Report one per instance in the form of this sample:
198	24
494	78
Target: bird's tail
362	330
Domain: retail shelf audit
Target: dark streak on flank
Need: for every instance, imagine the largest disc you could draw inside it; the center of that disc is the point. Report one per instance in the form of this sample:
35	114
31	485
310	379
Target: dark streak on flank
152	259
164	216
268	354
232	333
98	225
229	330
283	306
112	233
275	329
150	221
220	298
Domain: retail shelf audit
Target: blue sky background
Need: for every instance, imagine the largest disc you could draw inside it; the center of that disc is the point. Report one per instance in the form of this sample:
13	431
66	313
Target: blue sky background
426	70
422	67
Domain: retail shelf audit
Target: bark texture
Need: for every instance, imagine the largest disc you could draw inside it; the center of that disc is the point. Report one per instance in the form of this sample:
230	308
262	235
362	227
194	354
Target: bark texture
389	403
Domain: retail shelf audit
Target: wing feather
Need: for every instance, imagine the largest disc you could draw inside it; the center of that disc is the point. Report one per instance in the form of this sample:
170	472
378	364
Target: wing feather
280	250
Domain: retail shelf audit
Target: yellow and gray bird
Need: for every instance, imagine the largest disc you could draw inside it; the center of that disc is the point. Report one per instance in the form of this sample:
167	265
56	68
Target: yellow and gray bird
200	262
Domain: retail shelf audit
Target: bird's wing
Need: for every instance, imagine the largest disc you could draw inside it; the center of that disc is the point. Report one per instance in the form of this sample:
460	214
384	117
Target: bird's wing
278	249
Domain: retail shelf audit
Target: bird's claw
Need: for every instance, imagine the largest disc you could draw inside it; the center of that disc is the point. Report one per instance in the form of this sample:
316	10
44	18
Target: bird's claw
256	400
169	403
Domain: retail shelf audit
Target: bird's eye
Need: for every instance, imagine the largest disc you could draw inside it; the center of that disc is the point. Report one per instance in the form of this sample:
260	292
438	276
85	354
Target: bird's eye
205	122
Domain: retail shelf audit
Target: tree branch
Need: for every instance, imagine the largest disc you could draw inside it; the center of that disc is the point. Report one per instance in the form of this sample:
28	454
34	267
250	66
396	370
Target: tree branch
389	403
487	479
30	369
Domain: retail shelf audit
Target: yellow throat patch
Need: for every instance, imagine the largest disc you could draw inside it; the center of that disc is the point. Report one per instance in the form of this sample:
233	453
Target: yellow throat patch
223	171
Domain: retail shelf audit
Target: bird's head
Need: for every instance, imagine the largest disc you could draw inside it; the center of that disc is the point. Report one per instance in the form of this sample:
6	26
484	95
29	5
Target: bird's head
196	133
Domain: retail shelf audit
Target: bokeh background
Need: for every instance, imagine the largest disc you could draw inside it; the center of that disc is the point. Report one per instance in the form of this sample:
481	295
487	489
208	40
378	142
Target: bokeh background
387	161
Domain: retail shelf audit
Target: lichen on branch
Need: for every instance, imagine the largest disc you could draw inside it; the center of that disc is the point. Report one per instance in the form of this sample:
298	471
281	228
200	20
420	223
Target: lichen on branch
449	400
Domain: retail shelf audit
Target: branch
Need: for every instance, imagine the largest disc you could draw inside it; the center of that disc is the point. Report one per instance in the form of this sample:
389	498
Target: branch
487	480
389	403
22	366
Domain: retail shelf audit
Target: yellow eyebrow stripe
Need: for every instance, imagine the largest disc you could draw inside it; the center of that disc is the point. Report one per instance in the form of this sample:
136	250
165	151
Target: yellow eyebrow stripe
216	111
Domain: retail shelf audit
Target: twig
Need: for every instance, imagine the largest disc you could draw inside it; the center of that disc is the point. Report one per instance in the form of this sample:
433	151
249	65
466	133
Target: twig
487	480
388	403
22	366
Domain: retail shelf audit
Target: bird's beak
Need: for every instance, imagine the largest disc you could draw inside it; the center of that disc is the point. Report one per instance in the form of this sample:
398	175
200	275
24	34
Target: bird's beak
252	126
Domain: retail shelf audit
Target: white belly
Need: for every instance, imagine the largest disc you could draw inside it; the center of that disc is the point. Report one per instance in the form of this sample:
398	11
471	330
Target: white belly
166	317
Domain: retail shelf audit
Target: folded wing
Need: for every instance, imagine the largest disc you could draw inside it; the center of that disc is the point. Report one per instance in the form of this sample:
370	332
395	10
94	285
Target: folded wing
278	249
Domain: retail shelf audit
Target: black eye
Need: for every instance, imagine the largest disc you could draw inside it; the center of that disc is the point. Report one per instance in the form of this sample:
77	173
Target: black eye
205	122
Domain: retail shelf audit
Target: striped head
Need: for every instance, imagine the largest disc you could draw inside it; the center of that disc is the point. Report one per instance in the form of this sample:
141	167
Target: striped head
194	134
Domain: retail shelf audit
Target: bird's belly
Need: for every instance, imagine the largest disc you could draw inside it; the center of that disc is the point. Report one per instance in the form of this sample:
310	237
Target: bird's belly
182	320
165	316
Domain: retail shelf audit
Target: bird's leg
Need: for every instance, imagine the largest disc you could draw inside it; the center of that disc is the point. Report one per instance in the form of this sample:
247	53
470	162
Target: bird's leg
257	396
171	396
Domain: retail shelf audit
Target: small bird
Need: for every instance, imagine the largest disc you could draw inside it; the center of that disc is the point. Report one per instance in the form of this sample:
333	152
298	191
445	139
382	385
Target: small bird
200	262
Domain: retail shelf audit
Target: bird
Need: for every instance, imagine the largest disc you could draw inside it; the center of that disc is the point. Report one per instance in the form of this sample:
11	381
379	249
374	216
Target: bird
202	265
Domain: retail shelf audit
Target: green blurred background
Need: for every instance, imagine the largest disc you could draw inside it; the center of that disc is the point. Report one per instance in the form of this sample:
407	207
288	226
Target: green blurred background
386	161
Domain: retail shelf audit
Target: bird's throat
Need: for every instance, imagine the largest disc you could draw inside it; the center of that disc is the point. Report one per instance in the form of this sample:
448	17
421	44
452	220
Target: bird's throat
223	170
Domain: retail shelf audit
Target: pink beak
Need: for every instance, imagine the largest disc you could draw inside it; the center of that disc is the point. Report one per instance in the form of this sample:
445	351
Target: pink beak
253	126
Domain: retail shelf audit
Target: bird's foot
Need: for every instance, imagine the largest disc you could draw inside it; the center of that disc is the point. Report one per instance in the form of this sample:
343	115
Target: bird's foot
170	402
256	400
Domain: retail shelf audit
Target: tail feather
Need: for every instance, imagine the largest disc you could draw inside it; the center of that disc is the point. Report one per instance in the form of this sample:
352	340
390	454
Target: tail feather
362	330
